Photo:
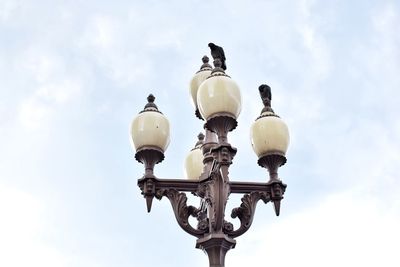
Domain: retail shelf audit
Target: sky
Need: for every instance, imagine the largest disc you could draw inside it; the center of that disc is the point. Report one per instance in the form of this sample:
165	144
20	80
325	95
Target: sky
73	75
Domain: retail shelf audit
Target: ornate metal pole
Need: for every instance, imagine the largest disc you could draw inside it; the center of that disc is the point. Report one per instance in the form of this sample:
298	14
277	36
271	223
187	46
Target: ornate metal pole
215	234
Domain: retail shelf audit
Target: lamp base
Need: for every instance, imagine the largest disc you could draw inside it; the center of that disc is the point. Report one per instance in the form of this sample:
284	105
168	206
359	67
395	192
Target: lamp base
149	156
221	124
216	246
272	162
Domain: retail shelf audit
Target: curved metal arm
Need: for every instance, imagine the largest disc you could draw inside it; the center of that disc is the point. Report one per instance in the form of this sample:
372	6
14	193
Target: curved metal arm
181	210
246	211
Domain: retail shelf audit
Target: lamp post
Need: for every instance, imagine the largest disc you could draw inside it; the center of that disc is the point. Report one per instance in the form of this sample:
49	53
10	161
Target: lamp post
217	100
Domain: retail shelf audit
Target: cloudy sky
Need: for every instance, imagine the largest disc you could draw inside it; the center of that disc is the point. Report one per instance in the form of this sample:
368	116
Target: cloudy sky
73	74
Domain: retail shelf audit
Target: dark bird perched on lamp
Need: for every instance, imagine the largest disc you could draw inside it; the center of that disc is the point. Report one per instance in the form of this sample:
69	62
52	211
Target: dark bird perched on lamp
218	52
266	96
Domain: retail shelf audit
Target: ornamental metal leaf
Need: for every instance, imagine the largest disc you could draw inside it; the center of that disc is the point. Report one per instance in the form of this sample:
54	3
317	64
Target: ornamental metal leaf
246	211
181	210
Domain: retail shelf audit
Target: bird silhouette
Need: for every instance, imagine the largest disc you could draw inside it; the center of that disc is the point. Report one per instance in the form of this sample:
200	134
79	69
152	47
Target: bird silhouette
266	96
218	52
265	93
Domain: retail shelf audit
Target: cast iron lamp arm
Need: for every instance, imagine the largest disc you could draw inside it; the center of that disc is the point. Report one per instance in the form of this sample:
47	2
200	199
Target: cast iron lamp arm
259	191
178	184
149	185
173	189
248	187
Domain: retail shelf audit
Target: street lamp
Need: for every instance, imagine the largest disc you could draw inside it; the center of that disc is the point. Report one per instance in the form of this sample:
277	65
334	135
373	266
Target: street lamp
217	100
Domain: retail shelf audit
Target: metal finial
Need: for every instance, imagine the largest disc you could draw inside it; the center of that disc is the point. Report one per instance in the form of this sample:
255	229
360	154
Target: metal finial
277	207
218	67
151	98
217	63
150	106
200	141
200	136
206	65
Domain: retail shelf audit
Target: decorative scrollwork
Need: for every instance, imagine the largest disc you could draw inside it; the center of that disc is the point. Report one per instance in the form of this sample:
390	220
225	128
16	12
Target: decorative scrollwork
277	191
203	225
228	227
203	222
201	190
148	188
246	211
181	210
216	196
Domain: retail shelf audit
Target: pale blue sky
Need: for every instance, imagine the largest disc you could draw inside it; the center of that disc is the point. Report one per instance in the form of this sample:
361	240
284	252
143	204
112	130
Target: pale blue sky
73	74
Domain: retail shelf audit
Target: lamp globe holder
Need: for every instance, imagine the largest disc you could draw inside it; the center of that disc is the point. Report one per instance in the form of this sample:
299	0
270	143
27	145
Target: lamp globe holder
150	138
219	102
270	141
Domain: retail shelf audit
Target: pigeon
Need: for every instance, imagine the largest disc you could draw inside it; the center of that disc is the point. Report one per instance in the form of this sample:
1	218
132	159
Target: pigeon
265	93
266	96
218	52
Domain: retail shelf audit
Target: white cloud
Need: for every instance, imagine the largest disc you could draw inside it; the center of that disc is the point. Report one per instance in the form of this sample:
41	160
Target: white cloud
37	110
61	92
345	229
378	60
33	114
7	8
313	40
107	40
40	64
47	83
21	230
102	32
